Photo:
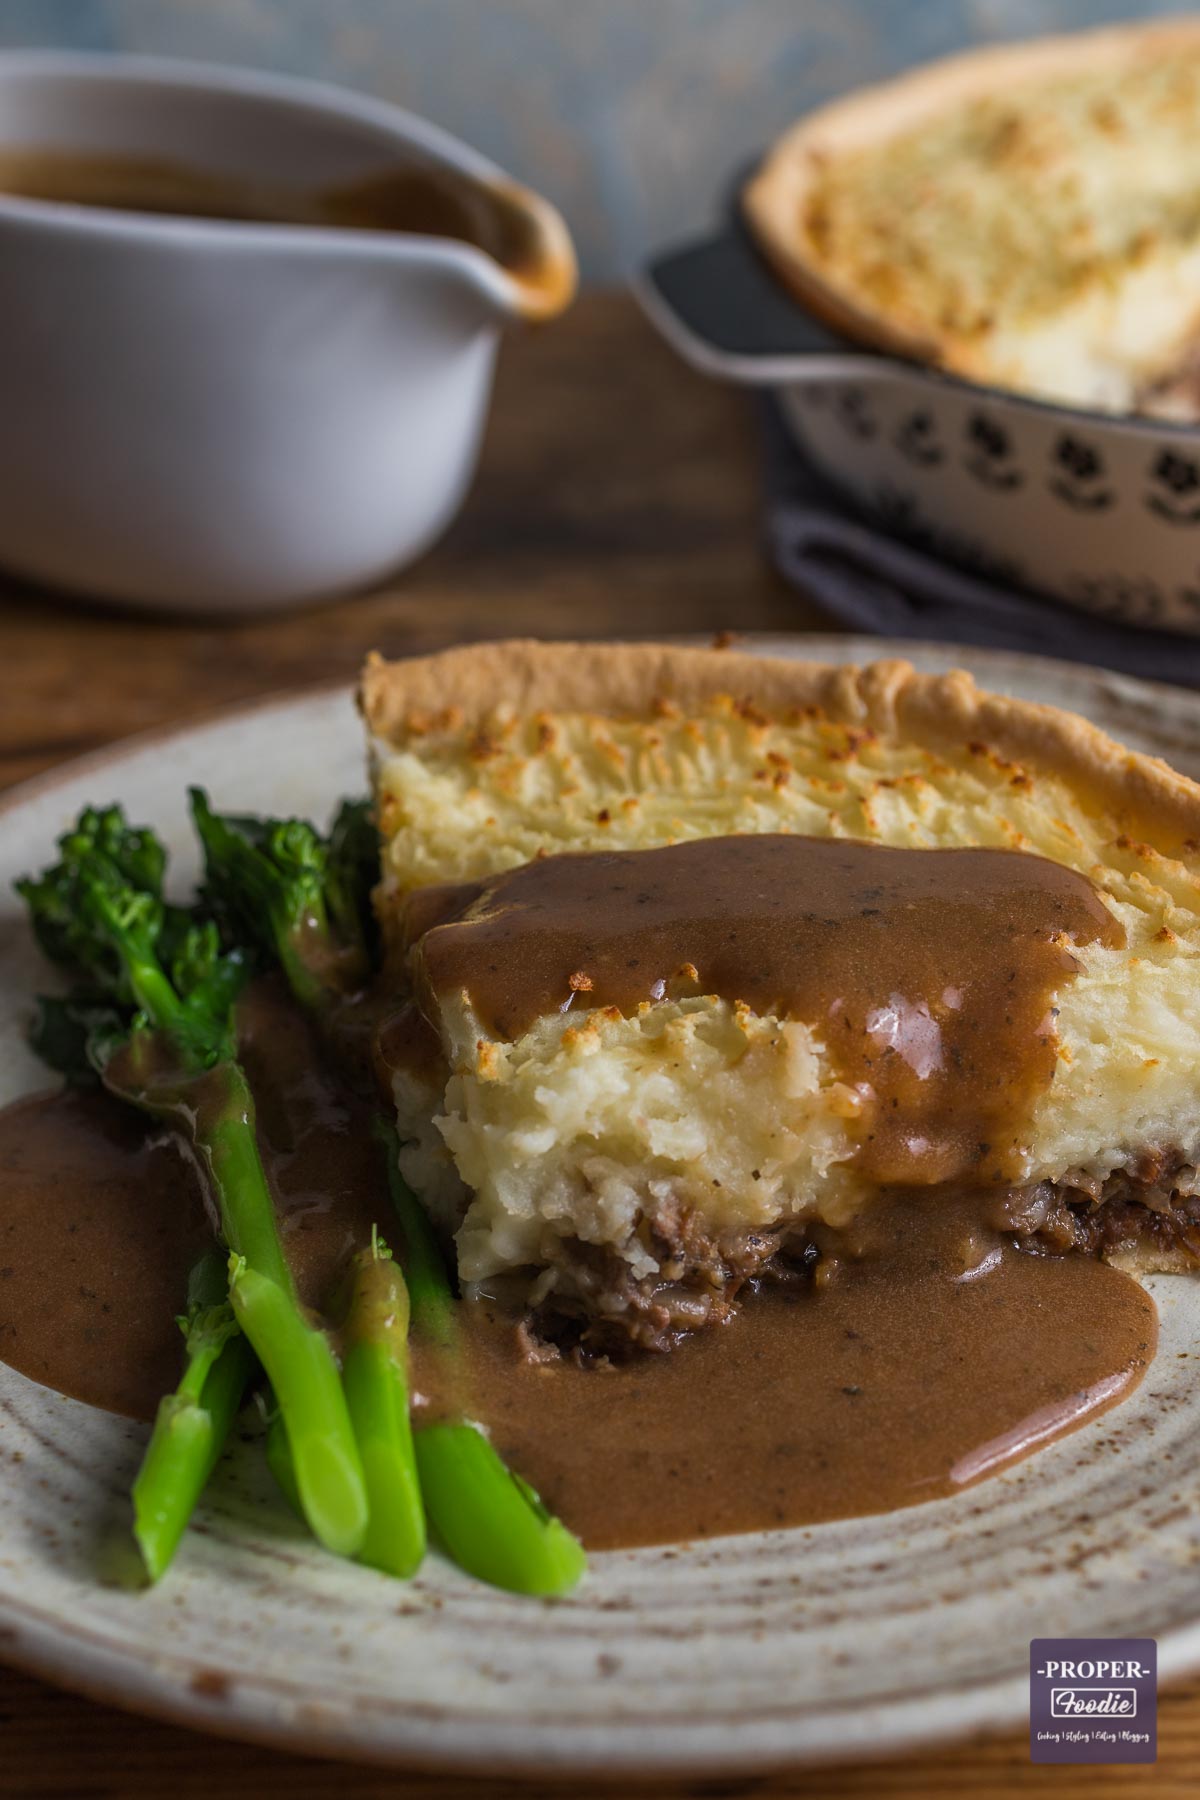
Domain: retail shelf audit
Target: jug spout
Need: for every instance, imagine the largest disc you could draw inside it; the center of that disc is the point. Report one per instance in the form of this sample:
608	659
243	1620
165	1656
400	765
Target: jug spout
528	242
523	262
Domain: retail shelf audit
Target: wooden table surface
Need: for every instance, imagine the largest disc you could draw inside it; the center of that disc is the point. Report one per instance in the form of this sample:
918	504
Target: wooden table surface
617	497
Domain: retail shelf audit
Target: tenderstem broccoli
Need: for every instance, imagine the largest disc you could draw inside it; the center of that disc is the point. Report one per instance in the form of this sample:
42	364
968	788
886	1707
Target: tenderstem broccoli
375	1377
375	1373
305	901
491	1522
192	1423
278	884
156	1000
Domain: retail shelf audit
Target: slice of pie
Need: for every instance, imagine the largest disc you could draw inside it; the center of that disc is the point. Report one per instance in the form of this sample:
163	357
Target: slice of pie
1026	215
698	955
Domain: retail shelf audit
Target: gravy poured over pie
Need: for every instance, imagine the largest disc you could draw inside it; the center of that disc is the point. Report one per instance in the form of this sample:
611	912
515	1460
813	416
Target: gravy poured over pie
747	949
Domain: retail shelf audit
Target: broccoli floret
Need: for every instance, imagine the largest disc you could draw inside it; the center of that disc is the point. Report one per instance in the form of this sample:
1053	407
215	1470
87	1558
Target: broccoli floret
297	897
99	911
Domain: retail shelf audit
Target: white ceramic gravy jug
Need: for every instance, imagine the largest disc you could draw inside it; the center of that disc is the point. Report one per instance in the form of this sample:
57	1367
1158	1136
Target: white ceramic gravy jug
236	413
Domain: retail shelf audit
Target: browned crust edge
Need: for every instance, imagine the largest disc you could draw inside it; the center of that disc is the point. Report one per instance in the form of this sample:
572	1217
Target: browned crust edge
459	689
774	198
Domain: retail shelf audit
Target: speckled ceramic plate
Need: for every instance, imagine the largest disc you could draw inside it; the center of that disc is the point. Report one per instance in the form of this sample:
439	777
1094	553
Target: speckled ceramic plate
843	1640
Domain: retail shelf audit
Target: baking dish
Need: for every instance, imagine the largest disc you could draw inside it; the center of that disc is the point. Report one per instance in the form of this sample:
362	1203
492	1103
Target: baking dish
1099	510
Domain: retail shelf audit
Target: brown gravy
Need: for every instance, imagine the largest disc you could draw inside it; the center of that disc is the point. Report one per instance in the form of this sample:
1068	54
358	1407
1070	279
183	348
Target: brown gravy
938	1359
934	1353
930	974
420	202
102	1220
103	1217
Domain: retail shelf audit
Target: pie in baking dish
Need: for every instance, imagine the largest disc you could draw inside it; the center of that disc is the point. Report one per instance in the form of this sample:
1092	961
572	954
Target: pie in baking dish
702	953
1026	216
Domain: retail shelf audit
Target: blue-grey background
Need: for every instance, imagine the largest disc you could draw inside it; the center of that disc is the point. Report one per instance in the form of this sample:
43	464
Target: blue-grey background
628	113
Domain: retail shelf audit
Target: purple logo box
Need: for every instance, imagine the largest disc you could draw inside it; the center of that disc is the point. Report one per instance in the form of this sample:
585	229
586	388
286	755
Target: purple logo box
1093	1700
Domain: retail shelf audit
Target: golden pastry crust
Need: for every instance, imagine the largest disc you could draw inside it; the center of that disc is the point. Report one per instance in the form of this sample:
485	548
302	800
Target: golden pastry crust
1042	125
457	691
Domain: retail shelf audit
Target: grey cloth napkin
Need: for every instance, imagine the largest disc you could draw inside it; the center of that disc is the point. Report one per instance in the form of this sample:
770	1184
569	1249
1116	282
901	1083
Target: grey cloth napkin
873	583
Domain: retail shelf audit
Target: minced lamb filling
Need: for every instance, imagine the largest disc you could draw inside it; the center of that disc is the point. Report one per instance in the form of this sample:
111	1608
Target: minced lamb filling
600	1307
931	980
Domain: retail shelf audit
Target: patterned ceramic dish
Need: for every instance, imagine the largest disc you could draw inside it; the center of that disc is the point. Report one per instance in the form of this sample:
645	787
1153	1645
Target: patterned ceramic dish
1098	510
840	1641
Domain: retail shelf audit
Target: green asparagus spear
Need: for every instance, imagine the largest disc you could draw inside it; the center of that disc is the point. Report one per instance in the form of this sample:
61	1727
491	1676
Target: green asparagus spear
164	1041
193	1422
